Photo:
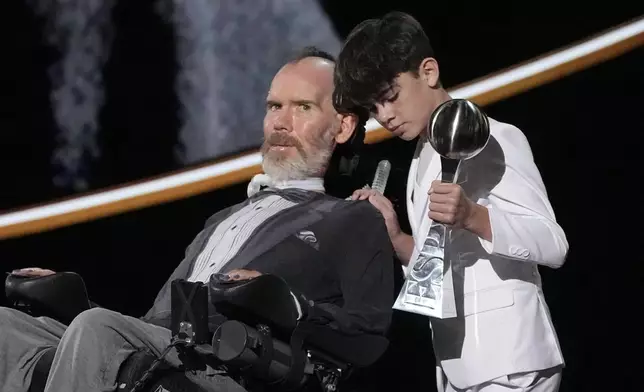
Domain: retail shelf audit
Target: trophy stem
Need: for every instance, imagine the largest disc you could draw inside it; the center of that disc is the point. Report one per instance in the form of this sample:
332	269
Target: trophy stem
450	169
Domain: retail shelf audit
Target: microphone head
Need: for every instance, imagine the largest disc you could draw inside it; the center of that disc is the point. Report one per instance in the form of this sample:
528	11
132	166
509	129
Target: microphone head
381	176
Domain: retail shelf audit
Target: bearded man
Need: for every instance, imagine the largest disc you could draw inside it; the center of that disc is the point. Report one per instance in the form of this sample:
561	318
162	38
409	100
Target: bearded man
334	252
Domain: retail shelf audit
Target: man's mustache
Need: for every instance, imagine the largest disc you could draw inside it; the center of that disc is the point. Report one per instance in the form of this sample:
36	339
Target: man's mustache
282	139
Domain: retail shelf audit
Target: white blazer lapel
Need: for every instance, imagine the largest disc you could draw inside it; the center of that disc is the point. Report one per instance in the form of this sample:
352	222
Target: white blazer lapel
419	213
411	192
417	200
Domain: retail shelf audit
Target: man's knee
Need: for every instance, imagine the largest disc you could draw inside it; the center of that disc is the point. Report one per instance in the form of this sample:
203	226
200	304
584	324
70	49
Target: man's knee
6	314
95	319
8	321
9	317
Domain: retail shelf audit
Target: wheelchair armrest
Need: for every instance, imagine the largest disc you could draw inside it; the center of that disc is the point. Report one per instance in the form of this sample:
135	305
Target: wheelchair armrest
61	296
266	299
269	300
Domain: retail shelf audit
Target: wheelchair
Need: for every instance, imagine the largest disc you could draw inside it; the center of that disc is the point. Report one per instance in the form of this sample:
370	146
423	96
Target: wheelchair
267	341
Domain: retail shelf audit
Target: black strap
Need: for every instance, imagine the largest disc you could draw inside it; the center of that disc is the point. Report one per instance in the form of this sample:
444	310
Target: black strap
187	309
141	382
267	350
41	370
294	377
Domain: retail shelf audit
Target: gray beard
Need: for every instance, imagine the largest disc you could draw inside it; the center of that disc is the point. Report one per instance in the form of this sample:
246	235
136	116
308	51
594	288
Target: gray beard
297	168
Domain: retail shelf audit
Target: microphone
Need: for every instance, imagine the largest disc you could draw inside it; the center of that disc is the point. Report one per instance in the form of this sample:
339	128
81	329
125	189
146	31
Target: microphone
381	176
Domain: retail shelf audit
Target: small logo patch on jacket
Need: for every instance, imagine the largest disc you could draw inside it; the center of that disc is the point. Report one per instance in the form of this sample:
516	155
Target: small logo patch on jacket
308	237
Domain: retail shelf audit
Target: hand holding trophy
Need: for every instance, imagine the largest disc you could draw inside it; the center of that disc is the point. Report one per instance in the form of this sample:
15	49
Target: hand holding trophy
458	130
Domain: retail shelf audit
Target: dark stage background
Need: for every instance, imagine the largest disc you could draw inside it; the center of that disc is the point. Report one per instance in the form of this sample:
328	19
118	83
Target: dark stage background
585	131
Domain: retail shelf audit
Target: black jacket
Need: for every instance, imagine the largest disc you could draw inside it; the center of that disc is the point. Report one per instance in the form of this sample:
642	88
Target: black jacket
336	252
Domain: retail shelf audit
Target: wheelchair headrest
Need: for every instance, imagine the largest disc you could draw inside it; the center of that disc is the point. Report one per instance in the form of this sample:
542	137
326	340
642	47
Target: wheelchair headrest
63	294
266	299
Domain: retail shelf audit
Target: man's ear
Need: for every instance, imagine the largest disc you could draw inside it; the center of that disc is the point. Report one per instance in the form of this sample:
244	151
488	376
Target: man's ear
428	70
348	124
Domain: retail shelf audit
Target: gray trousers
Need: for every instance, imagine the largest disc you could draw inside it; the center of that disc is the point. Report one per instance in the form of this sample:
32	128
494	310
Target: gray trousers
89	351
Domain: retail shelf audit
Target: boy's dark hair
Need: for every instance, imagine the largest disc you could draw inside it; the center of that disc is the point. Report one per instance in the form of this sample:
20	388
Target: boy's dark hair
374	54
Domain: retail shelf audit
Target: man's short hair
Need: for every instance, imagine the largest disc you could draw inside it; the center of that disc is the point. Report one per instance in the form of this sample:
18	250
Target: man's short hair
360	112
312	51
346	153
374	54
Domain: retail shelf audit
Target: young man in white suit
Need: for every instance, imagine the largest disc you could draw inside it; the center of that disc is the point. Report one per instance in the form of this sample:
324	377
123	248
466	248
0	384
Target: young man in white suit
503	337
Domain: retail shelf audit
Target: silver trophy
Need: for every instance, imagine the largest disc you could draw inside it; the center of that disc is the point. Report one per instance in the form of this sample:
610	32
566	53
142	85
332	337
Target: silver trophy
458	130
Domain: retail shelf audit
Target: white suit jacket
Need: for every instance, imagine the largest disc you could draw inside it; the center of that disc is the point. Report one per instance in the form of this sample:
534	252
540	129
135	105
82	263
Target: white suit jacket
503	324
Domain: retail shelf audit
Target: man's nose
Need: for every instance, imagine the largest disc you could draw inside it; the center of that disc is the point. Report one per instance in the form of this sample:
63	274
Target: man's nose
283	121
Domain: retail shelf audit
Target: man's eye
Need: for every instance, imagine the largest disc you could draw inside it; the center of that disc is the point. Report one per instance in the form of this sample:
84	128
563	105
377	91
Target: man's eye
272	107
305	107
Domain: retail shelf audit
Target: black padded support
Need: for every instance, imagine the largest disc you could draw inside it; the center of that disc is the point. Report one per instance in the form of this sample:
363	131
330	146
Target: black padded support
266	299
61	296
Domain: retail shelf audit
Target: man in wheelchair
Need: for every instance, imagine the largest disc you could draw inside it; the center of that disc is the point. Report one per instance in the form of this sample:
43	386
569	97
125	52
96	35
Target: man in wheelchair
286	290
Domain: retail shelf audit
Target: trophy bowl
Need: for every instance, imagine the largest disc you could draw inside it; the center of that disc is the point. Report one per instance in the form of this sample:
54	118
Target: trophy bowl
458	129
